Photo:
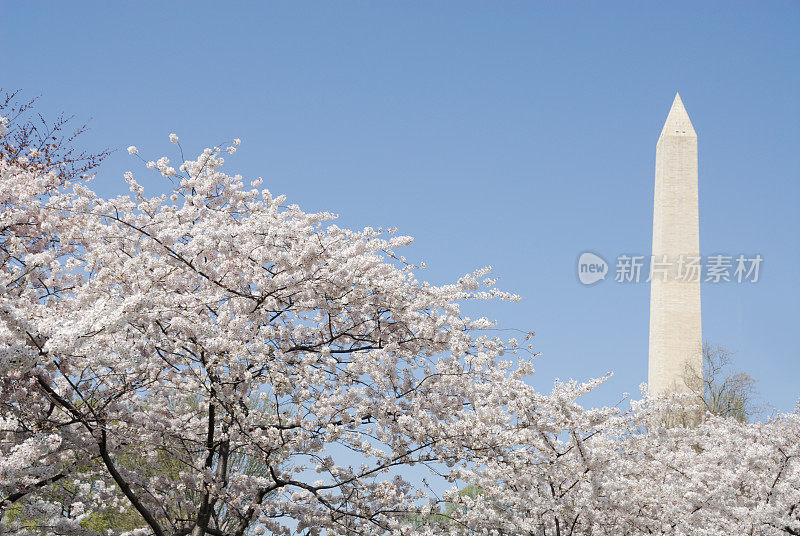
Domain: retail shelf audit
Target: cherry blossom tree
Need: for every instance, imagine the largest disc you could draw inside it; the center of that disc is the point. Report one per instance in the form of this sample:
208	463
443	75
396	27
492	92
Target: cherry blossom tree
34	143
207	358
612	472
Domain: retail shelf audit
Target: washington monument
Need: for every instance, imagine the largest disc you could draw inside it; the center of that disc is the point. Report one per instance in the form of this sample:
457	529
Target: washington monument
675	335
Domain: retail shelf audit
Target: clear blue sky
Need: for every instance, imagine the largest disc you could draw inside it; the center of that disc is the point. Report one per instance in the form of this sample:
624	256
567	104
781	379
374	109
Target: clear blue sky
504	133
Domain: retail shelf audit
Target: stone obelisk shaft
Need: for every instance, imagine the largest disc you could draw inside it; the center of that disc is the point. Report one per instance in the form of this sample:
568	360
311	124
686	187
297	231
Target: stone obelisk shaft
675	333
